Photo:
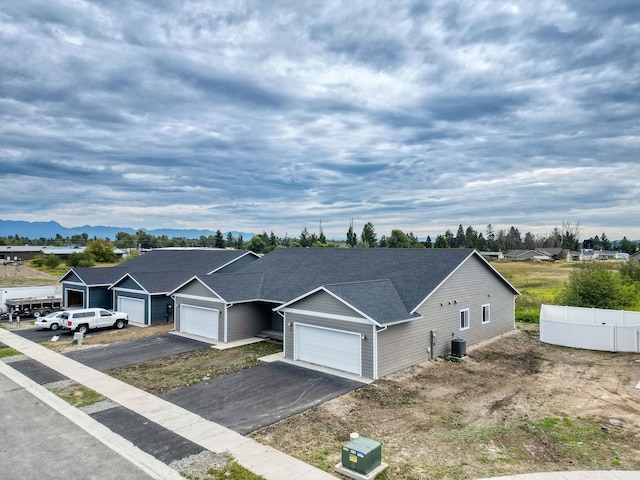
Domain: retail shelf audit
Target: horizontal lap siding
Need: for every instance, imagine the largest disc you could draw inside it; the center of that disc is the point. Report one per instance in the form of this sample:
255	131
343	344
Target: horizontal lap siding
129	284
403	345
159	309
100	297
323	302
361	328
472	286
196	289
245	320
72	277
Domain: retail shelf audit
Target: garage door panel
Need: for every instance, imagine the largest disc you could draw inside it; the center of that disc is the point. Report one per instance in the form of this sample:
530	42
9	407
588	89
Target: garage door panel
135	307
336	349
199	321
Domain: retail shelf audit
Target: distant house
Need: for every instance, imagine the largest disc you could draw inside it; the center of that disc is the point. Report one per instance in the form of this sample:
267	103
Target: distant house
368	312
635	257
492	255
539	254
587	255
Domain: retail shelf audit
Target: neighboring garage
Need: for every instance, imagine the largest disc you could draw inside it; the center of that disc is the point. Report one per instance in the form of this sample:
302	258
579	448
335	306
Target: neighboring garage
74	298
134	307
331	348
199	321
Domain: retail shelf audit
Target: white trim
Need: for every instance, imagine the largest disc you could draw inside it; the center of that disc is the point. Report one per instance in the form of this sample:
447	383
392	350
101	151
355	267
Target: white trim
198	297
333	316
468	315
66	296
130	290
295	343
126	289
482	315
249	252
336	297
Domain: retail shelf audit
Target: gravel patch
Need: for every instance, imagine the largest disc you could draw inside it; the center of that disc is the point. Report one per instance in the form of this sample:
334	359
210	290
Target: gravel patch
99	406
196	466
60	384
15	358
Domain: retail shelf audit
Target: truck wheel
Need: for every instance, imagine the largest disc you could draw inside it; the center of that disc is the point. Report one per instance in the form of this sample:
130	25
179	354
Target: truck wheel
54	326
119	324
82	329
37	313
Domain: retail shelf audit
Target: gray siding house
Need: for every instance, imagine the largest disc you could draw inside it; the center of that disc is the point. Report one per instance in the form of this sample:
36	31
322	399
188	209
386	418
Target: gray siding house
369	312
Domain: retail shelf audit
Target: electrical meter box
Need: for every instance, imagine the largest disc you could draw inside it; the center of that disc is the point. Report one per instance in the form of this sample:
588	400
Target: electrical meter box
362	455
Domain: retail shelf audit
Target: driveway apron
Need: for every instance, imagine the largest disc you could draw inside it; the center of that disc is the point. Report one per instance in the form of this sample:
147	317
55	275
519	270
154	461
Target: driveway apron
254	398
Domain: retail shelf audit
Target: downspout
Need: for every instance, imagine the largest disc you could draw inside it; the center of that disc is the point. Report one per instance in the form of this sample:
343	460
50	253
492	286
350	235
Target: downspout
375	350
284	334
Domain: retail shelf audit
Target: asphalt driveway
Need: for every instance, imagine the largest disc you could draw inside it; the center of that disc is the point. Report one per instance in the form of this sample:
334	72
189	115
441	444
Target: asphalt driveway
248	400
135	351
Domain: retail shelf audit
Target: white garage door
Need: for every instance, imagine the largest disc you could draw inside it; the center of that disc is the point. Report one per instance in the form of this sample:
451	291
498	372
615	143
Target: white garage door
330	348
133	306
199	321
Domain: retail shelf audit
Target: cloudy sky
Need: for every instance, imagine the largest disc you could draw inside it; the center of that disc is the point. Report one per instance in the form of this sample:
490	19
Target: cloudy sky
279	115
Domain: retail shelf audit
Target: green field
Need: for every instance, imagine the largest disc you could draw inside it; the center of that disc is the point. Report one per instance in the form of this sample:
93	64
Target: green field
538	283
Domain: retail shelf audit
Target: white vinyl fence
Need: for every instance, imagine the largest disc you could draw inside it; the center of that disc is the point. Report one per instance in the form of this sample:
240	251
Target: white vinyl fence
590	328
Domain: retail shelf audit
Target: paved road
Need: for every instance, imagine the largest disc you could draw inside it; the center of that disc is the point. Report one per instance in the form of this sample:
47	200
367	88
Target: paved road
37	442
254	398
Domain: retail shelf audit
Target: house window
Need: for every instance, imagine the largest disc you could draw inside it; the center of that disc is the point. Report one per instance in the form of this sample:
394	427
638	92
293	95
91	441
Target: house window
464	319
486	313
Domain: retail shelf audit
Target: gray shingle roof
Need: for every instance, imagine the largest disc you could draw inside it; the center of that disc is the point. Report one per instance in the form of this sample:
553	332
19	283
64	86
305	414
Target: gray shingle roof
95	276
157	283
385	284
378	299
197	261
414	273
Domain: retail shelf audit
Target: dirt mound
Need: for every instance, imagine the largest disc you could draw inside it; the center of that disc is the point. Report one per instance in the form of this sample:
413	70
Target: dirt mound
17	275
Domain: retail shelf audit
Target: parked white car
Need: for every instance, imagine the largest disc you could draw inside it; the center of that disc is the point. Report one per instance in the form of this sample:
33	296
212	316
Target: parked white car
89	318
51	321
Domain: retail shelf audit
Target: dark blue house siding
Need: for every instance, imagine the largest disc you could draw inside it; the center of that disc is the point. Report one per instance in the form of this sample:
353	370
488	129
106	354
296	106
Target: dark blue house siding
159	311
100	297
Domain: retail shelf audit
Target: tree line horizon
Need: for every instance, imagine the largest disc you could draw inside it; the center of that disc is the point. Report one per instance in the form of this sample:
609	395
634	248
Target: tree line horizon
566	236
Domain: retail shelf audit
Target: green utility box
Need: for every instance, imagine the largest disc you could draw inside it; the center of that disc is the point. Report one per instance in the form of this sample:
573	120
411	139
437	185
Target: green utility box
362	455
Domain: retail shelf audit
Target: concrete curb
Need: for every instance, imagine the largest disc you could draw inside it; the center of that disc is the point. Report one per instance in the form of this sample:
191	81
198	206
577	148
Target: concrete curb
260	459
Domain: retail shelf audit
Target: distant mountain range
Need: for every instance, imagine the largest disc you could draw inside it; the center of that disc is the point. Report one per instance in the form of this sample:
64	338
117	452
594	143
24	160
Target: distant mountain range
33	230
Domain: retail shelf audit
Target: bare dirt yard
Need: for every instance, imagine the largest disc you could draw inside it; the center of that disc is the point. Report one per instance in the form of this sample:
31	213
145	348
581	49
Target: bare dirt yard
514	405
20	275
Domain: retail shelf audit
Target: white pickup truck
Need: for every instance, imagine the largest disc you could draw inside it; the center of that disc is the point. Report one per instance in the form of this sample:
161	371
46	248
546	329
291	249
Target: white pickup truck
86	319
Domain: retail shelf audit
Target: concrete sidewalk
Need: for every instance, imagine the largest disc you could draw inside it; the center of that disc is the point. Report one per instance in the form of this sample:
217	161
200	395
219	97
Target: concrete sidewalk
260	459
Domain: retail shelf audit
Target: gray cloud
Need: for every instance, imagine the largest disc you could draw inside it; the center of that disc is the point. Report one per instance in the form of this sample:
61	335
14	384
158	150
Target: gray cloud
276	115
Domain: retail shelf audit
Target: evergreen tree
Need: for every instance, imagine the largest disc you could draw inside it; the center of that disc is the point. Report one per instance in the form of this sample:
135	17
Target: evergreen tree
368	236
352	238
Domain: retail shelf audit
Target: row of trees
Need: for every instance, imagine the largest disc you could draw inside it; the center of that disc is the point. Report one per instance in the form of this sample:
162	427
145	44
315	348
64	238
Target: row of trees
566	236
